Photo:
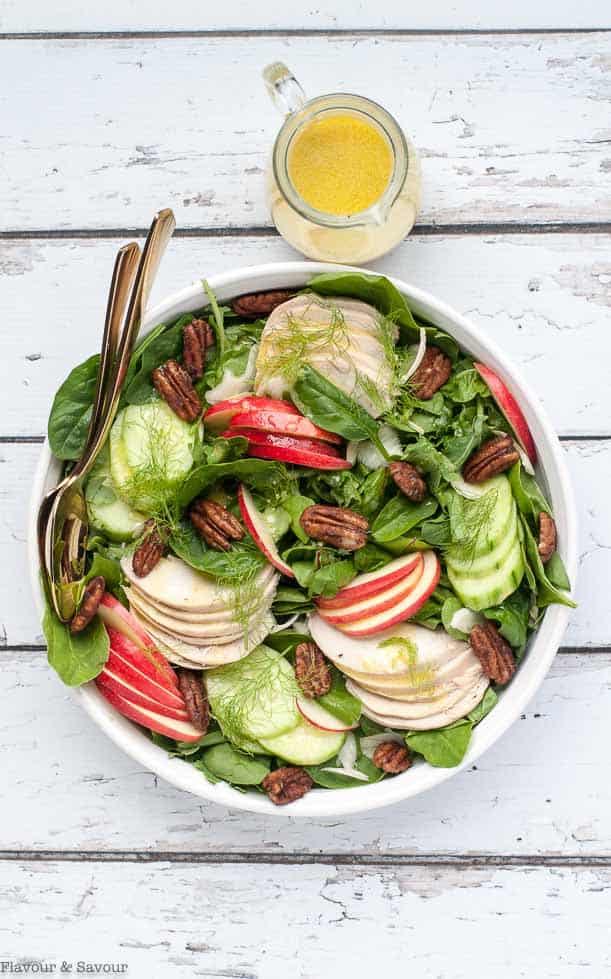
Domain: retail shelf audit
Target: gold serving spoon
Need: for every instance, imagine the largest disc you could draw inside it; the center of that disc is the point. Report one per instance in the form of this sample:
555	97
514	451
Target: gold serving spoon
62	517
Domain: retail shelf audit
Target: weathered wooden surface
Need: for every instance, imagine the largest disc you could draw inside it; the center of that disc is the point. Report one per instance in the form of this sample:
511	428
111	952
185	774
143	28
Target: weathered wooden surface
511	128
544	298
245	922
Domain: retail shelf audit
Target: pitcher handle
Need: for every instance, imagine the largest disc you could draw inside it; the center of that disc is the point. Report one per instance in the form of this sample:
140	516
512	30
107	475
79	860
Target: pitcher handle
285	91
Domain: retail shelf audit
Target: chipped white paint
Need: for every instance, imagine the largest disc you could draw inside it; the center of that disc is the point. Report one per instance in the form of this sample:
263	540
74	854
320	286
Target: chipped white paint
544	298
97	132
66	786
267	922
236	15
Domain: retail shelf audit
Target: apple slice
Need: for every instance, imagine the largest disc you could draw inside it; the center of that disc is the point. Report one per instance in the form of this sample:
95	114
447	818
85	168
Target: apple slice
510	408
130	664
219	415
284	448
379	602
260	532
118	619
152	719
282	423
373	582
372	624
319	717
110	680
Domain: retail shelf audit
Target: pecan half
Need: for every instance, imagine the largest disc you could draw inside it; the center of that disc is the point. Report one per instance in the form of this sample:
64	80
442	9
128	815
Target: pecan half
431	374
256	304
195	340
495	456
174	385
191	687
149	551
336	526
287	784
90	602
495	655
409	480
547	536
216	524
312	670
392	757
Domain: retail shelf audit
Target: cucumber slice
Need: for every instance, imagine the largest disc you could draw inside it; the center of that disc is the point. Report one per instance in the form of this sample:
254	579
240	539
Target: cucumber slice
493	530
254	698
492	589
485	564
304	745
106	511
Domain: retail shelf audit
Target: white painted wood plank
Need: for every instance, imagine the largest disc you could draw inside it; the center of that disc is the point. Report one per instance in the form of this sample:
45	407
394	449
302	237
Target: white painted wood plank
97	133
65	786
544	298
255	921
65	15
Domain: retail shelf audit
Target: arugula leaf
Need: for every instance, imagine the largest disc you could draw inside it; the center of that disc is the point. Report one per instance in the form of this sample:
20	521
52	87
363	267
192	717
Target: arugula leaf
79	658
370	558
436	466
444	748
233	766
71	411
399	516
330	578
342	487
324	404
465	383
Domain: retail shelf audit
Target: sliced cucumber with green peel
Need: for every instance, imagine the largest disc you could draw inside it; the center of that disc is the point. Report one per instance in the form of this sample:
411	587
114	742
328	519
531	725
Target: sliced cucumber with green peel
106	511
254	698
304	745
489	516
490	561
492	589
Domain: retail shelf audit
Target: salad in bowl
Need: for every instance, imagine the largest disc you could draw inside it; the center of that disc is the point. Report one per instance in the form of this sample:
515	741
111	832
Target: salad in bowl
320	549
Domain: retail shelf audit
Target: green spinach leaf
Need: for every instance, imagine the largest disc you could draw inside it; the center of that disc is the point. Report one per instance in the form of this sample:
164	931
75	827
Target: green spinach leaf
76	658
488	701
339	702
330	408
444	748
233	766
71	411
399	516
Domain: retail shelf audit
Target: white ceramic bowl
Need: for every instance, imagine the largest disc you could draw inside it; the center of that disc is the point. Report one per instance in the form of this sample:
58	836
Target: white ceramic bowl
542	647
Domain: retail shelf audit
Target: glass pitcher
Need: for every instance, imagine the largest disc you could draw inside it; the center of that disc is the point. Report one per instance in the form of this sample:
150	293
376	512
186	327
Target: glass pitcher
356	237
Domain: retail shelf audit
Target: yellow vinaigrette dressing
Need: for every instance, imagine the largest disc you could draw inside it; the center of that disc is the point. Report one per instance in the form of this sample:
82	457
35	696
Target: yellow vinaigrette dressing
340	164
343	183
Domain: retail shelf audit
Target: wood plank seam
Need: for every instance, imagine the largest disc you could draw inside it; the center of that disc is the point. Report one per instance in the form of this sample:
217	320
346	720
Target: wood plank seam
294	32
298	858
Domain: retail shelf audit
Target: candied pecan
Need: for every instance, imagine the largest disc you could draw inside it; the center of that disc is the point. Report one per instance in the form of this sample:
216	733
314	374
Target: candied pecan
216	524
191	687
493	652
392	757
431	374
256	304
287	784
409	480
149	551
493	457
92	596
194	343
336	526
174	385
547	536
312	670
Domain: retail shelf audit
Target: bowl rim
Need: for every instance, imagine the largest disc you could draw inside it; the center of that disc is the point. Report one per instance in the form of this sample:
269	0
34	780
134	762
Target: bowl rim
544	643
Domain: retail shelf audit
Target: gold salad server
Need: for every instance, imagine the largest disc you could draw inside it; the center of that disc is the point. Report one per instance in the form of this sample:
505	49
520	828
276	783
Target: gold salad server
62	517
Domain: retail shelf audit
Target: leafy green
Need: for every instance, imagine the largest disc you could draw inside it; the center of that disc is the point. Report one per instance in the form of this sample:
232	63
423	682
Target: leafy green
343	487
233	766
444	748
547	592
449	608
399	516
433	463
556	572
339	702
218	325
512	618
465	384
285	640
109	568
242	561
76	658
294	505
187	749
257	473
290	601
161	346
330	578
71	410
370	558
336	780
528	496
330	408
488	701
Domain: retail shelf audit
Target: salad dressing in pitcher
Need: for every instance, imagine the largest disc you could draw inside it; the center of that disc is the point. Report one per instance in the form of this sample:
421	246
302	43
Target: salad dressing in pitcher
344	183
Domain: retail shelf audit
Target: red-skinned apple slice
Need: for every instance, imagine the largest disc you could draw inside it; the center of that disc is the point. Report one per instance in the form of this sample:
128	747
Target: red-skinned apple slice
112	681
126	660
219	416
154	721
282	423
510	408
118	619
370	625
374	604
298	451
260	532
318	717
372	583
